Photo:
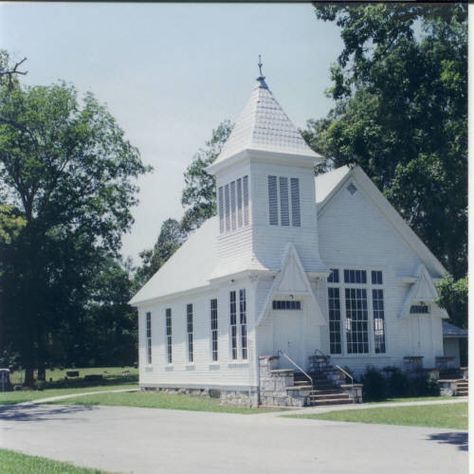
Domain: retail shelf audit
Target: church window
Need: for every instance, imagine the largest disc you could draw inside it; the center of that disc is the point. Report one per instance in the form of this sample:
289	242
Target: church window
379	320
334	304
221	209
355	276
246	199
284	207
189	327
357	321
233	325
419	309
295	202
243	323
233	205
227	208
283	198
239	203
377	277
273	200
356	308
214	331
169	337
148	338
286	305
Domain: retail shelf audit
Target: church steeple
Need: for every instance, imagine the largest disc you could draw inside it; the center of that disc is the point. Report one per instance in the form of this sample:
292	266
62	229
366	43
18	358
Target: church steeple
263	127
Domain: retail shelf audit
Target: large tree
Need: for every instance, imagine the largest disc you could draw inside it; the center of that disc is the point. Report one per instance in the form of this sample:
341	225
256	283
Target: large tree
170	239
400	92
199	193
69	173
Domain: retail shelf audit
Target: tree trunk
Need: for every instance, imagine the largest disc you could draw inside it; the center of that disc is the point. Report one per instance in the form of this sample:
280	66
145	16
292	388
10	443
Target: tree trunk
29	377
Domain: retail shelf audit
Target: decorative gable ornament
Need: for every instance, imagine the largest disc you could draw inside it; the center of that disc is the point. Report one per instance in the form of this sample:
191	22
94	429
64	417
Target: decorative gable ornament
292	281
422	292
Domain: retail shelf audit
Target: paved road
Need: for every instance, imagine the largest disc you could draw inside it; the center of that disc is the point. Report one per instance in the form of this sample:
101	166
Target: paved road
141	440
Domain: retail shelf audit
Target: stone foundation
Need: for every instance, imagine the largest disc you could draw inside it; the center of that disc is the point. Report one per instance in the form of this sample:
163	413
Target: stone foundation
229	397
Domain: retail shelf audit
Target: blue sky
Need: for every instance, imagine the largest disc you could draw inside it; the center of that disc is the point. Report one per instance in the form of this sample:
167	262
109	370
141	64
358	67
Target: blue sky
170	73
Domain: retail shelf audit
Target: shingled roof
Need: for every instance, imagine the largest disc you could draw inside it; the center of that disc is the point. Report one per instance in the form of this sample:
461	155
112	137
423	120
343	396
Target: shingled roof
264	126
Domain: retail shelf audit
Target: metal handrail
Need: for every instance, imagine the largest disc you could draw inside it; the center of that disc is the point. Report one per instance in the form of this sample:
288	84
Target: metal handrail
297	366
347	374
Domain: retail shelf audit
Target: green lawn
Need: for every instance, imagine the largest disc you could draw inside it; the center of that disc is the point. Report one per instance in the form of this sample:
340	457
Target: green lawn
161	400
12	462
9	398
434	416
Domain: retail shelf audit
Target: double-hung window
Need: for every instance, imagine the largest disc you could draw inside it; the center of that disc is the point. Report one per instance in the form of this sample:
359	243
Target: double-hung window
169	337
189	327
214	331
238	325
148	338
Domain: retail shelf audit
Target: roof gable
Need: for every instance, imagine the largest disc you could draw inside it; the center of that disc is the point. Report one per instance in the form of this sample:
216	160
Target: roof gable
332	182
291	280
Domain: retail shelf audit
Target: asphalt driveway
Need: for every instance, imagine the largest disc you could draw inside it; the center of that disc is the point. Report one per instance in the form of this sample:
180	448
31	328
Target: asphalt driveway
142	440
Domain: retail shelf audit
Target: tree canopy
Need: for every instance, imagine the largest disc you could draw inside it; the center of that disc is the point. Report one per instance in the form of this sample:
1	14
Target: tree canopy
67	174
199	193
400	92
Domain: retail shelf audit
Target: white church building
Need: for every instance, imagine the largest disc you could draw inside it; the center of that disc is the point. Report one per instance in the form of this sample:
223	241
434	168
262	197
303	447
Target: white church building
296	274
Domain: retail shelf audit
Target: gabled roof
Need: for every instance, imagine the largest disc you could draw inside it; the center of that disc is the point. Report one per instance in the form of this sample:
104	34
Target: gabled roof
264	126
292	279
187	269
330	183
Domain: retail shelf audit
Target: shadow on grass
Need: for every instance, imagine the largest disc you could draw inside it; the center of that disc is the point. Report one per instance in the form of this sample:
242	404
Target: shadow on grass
27	412
457	438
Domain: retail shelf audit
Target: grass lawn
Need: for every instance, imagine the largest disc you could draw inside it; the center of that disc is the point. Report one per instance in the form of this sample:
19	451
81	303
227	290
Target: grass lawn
161	400
412	399
13	462
434	416
9	398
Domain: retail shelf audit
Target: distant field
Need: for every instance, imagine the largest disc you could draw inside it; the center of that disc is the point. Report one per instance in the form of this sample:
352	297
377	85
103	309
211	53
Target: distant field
59	375
161	400
452	416
13	462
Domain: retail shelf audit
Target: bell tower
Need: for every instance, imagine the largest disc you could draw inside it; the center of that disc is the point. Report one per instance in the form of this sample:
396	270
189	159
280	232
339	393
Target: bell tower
265	190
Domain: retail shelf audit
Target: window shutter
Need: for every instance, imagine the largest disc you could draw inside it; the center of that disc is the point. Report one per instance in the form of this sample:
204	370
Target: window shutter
284	207
227	208
239	202
246	200
233	205
273	200
295	202
221	209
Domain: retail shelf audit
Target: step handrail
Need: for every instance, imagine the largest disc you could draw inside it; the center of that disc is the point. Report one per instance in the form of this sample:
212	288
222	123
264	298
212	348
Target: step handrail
297	366
347	374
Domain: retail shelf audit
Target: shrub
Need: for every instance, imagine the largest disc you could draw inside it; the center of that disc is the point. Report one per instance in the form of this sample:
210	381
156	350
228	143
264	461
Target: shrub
375	385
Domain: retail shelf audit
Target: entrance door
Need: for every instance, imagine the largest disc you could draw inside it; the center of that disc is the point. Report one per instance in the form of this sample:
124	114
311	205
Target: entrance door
288	337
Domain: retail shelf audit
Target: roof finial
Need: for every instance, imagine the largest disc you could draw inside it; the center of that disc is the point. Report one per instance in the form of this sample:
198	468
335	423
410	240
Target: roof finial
261	79
260	66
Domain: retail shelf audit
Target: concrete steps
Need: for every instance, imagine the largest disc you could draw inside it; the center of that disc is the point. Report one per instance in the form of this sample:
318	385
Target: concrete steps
462	388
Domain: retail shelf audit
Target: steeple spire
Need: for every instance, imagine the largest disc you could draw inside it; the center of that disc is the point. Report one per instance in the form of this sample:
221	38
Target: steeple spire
261	77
